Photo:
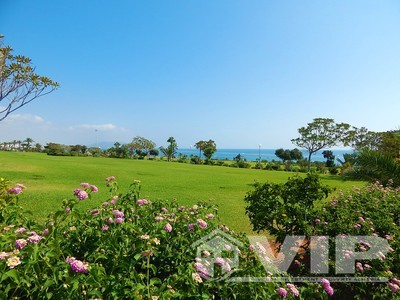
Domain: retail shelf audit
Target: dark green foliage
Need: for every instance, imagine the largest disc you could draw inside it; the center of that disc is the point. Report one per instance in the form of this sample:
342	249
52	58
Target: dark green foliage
284	209
240	162
289	155
374	165
208	147
330	158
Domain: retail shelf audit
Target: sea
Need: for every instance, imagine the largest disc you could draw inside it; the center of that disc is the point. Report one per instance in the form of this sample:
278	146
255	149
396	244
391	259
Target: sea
264	154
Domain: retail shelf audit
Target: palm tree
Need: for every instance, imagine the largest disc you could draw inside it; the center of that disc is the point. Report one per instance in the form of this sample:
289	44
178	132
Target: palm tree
374	165
170	151
28	141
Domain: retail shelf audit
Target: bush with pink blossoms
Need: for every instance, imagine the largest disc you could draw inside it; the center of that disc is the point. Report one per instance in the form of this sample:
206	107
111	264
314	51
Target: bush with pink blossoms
128	248
286	209
134	248
370	211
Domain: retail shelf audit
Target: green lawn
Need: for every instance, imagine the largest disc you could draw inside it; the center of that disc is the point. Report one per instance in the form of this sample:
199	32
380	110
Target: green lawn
51	179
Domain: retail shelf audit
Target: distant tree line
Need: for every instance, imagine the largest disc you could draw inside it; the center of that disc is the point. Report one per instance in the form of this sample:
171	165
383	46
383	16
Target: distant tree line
18	145
376	155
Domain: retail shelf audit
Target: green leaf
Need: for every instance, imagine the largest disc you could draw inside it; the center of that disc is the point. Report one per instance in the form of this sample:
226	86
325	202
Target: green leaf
13	273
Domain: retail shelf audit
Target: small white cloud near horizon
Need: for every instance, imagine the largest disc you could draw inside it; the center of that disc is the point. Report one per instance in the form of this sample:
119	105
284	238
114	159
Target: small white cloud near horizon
12	118
101	127
20	126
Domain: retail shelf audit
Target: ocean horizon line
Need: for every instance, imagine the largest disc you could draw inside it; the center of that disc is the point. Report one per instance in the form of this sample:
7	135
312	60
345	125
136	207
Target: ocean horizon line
255	154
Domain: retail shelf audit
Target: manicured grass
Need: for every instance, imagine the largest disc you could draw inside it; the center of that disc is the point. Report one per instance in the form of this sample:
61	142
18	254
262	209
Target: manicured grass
50	179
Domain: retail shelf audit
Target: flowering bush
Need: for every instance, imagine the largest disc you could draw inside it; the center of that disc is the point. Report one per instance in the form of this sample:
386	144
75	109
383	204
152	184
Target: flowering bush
373	211
128	248
370	211
135	248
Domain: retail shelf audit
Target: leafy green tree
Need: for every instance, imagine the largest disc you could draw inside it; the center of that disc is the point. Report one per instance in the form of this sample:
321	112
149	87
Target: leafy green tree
38	147
95	151
118	151
19	84
362	138
283	154
141	146
319	134
296	154
57	149
208	147
288	155
390	144
171	149
78	149
154	152
201	146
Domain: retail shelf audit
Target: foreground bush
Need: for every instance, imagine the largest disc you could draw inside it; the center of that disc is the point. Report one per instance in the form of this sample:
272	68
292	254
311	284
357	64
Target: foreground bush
129	248
374	211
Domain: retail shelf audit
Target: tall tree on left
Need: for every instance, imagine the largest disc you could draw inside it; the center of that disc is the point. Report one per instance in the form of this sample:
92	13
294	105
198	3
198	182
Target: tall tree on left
19	84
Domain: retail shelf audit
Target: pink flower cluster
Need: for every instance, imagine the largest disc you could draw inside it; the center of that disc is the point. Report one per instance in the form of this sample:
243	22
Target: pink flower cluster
109	180
202	223
281	292
394	285
20	230
117	213
359	267
21	243
327	286
34	238
91	187
168	227
201	269
293	290
81	194
77	265
142	202
14	191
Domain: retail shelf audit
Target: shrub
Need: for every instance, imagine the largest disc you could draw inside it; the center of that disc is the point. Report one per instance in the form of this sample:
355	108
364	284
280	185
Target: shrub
284	209
129	248
194	159
372	211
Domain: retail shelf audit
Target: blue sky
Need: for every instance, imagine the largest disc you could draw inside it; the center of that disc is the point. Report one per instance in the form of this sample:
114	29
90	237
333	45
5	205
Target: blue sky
242	73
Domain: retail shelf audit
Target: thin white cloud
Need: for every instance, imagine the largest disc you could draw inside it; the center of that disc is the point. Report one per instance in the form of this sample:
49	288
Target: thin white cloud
21	126
18	118
100	127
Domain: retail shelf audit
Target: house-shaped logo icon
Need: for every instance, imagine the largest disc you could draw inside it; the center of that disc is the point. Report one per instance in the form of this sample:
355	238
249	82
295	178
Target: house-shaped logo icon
217	255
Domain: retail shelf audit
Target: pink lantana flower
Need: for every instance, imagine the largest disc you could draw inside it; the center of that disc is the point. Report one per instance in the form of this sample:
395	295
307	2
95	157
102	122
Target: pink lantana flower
202	223
77	265
21	243
168	227
81	194
14	191
281	292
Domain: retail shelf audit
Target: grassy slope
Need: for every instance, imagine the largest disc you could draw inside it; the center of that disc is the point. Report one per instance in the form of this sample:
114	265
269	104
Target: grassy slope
51	179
